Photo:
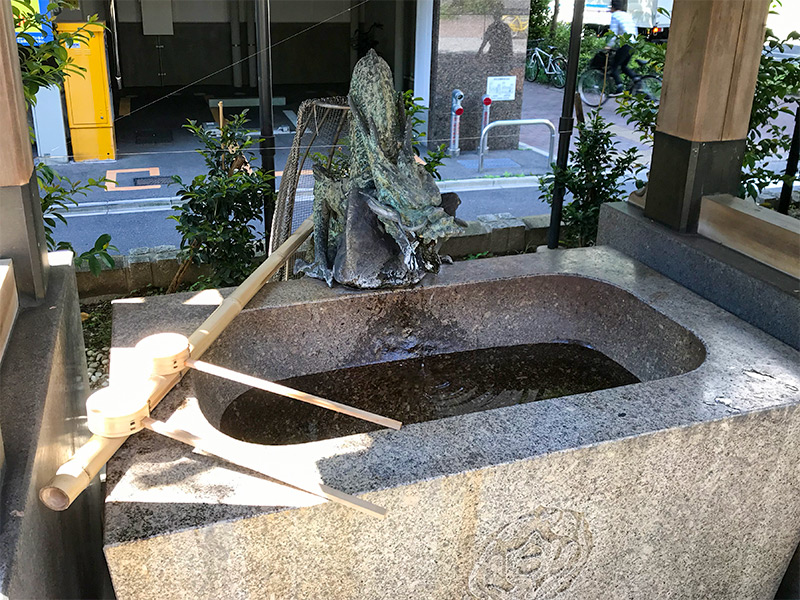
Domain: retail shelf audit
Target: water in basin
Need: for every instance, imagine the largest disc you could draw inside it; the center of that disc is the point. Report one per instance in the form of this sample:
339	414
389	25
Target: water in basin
422	389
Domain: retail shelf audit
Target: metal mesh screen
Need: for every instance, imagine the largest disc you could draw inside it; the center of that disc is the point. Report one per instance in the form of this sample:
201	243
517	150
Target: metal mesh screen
321	125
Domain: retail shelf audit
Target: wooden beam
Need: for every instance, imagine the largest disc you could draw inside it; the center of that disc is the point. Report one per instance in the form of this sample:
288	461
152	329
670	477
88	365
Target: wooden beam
709	81
16	160
711	68
9	303
760	233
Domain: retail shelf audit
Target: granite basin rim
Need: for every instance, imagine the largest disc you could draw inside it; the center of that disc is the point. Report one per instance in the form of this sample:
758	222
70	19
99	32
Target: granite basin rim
215	395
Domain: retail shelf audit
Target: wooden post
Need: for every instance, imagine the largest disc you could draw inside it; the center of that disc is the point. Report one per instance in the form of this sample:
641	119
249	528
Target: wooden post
21	229
16	161
709	81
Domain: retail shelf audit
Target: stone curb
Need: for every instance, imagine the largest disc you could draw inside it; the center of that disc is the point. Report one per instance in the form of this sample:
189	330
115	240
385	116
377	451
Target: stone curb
496	234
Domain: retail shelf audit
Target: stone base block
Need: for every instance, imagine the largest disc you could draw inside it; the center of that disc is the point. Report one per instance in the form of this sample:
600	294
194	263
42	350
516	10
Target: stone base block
660	489
43	387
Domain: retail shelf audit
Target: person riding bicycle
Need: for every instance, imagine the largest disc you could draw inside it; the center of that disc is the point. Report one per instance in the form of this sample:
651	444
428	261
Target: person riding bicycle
621	24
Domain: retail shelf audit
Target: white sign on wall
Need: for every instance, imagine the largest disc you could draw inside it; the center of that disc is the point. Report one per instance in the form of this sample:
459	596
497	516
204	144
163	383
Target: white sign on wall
501	88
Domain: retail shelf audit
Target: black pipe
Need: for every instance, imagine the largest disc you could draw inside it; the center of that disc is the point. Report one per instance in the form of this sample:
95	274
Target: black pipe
565	122
791	165
264	49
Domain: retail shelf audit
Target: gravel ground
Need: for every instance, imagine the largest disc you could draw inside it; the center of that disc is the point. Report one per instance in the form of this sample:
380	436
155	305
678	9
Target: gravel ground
97	363
96	319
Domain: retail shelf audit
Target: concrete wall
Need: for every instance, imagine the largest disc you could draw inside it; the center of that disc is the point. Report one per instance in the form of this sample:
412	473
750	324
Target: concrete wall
495	234
754	292
46	554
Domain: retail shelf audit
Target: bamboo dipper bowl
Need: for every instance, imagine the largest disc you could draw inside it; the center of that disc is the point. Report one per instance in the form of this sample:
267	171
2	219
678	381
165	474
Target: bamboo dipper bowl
117	411
164	353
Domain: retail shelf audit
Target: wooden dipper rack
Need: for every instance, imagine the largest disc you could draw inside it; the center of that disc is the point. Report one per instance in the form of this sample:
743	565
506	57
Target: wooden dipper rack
75	475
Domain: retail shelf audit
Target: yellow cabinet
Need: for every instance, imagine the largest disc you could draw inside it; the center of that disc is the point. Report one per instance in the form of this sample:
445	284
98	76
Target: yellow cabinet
89	108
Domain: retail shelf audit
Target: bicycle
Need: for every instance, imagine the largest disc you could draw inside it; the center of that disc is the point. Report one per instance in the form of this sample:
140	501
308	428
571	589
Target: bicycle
517	23
552	65
594	82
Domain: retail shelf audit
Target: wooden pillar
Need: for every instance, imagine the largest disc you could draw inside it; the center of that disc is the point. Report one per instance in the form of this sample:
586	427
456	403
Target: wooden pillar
709	81
21	230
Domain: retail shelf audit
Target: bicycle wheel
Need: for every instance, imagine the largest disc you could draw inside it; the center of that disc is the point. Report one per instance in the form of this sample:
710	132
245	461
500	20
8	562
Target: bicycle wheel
559	75
593	87
531	69
648	86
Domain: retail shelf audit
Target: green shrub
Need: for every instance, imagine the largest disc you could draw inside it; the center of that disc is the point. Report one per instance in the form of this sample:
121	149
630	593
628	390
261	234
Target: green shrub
43	65
591	43
595	174
777	88
216	219
539	21
57	194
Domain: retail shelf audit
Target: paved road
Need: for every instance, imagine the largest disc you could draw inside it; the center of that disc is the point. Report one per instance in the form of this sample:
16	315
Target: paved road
175	155
152	142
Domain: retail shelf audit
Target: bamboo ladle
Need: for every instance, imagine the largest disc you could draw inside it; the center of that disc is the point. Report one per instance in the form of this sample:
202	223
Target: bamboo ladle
168	353
121	411
76	474
118	411
115	412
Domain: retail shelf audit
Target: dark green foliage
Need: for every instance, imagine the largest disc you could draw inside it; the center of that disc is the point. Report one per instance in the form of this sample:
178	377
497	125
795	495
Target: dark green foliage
57	194
591	43
97	256
539	23
47	63
220	209
433	158
777	88
337	164
642	111
43	65
595	175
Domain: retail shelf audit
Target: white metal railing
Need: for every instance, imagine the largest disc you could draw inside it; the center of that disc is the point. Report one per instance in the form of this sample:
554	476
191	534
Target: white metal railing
516	122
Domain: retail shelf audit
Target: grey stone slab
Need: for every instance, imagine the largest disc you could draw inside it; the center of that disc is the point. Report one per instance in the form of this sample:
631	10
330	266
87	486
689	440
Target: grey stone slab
139	275
45	554
473	240
506	233
536	231
760	295
660	489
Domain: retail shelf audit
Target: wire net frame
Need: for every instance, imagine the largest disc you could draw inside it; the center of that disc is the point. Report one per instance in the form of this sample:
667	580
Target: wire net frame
321	123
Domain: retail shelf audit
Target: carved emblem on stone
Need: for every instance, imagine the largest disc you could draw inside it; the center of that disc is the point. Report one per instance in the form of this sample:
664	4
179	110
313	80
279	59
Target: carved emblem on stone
536	557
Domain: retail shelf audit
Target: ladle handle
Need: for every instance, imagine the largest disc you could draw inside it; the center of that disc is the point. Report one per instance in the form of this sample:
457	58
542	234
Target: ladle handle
75	475
282	390
234	456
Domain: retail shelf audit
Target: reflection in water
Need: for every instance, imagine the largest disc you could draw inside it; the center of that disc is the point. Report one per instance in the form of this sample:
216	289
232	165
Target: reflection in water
422	389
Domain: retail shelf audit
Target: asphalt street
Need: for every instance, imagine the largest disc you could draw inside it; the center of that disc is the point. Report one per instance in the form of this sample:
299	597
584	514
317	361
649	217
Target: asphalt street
153	144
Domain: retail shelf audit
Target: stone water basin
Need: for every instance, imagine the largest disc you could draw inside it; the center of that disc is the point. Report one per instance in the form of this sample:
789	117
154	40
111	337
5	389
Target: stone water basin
681	485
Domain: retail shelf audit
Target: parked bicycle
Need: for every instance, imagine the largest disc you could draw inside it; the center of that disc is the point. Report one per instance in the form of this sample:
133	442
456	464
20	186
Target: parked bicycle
596	83
553	65
517	23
